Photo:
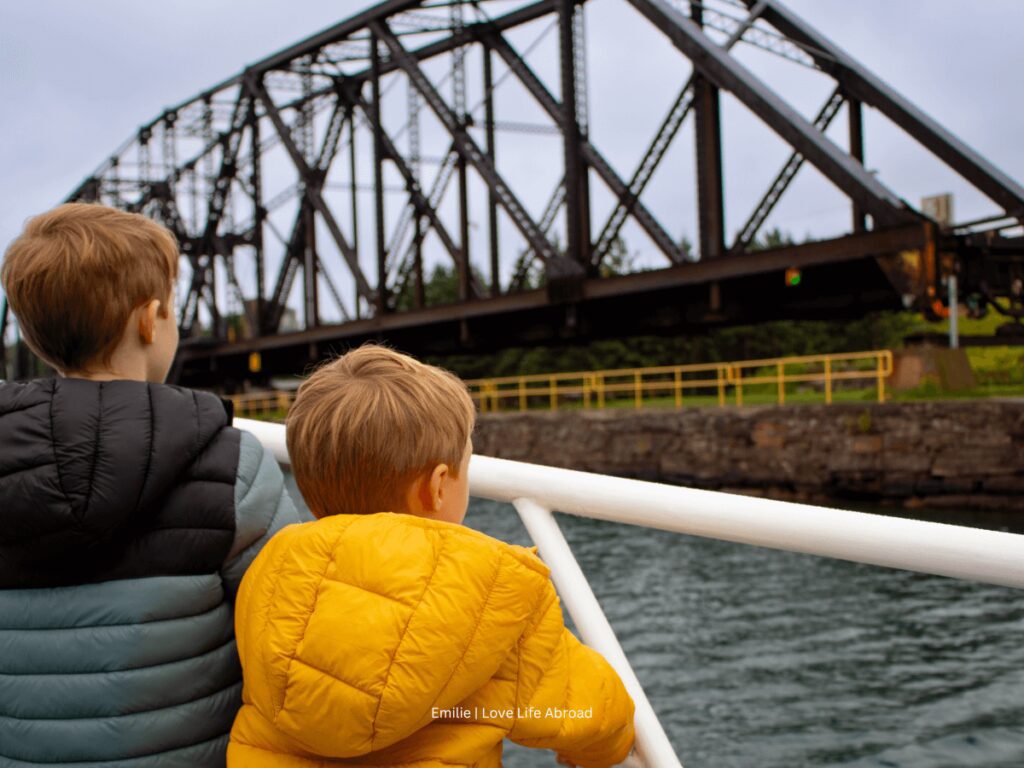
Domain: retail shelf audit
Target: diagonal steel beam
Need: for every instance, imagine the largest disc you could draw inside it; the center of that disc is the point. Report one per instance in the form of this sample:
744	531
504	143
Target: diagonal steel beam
782	181
210	243
275	306
659	146
419	200
727	73
465	145
547	220
863	85
553	107
312	190
437	189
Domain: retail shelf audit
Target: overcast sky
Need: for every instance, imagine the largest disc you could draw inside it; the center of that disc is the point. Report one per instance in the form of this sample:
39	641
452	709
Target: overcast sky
76	79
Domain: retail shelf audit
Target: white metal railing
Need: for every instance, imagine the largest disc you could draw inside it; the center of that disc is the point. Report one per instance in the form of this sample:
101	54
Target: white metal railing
945	550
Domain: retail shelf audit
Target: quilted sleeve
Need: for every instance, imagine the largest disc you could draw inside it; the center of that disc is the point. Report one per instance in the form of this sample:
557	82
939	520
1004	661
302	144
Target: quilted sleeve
571	700
262	508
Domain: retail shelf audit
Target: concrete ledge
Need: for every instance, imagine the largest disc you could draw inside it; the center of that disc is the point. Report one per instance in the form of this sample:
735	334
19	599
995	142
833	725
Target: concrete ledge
953	454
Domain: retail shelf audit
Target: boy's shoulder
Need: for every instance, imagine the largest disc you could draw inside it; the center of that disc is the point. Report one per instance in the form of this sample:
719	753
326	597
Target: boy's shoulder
86	466
410	537
75	394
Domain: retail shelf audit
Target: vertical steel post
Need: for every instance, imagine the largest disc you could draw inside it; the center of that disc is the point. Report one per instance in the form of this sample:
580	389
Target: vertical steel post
378	177
577	204
954	332
464	268
457	22
708	135
417	236
855	114
415	162
492	202
355	194
310	269
259	216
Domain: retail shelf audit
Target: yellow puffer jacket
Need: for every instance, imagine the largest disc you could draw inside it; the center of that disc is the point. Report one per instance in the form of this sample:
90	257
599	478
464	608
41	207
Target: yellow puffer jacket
389	639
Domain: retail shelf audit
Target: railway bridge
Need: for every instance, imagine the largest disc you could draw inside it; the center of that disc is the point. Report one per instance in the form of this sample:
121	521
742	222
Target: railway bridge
313	192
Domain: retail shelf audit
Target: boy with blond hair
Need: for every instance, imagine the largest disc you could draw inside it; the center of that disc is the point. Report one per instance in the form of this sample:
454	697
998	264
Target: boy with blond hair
129	511
385	632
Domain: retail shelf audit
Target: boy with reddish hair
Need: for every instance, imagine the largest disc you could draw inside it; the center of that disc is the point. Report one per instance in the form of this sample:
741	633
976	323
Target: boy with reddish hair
386	633
129	511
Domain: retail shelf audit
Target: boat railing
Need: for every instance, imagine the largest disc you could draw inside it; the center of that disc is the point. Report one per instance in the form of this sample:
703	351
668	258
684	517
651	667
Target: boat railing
535	491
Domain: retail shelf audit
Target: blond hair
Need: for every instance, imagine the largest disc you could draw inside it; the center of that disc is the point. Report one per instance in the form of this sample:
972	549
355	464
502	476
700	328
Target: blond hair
366	424
76	274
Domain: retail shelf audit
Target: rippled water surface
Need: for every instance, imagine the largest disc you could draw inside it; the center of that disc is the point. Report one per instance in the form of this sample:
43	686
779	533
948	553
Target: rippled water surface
753	657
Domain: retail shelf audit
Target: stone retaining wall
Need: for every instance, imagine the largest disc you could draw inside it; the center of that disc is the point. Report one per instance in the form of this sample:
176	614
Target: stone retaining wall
953	454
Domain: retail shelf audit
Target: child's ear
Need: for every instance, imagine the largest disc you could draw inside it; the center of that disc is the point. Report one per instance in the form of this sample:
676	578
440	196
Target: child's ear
147	321
436	486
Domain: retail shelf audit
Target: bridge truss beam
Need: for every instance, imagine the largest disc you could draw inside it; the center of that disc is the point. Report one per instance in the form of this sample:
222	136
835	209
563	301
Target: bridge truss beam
246	175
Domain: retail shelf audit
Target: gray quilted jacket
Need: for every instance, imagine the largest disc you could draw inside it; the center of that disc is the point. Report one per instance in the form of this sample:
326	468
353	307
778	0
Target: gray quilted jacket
128	515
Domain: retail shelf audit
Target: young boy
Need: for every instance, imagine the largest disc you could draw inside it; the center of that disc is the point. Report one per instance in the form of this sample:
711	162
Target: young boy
386	633
129	511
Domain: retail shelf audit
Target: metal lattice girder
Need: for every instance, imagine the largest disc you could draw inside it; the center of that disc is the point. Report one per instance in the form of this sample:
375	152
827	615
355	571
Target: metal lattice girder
420	202
547	220
275	306
553	107
437	190
465	144
784	178
861	84
471	33
727	73
312	187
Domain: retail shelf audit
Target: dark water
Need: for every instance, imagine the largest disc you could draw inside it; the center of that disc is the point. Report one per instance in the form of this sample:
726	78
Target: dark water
753	657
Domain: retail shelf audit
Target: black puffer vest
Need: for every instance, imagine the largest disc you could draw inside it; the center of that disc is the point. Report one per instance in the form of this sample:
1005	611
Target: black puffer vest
112	480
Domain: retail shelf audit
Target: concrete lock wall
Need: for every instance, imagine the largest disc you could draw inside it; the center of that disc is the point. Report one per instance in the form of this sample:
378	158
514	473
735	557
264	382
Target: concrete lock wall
953	455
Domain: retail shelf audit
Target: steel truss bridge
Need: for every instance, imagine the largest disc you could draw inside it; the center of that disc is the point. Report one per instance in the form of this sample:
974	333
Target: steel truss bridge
264	179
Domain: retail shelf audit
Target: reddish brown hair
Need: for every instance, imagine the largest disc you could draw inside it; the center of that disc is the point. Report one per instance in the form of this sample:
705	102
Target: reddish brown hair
368	423
76	274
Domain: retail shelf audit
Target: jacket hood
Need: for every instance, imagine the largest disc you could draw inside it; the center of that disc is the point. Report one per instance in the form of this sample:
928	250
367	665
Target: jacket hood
81	462
355	629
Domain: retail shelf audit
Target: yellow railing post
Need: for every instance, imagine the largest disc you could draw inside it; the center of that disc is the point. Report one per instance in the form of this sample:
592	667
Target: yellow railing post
678	378
881	379
586	391
638	393
553	392
600	390
721	386
828	380
780	369
736	374
522	394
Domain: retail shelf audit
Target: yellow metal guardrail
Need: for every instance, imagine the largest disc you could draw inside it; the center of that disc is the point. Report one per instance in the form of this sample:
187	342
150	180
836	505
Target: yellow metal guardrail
721	383
676	384
262	403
